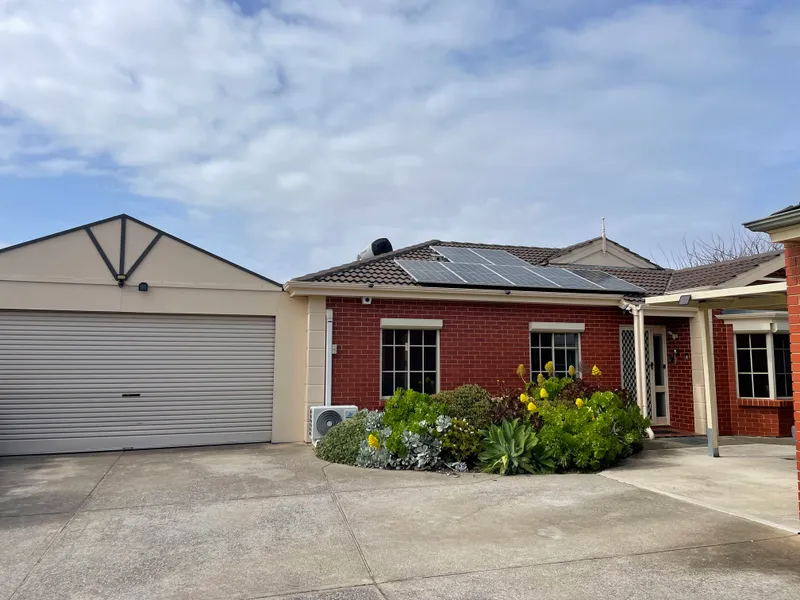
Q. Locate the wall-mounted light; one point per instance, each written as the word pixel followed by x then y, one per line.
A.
pixel 684 300
pixel 143 287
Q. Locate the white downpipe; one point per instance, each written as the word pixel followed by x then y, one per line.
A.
pixel 328 356
pixel 641 367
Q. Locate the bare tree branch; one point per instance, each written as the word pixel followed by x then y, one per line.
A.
pixel 740 243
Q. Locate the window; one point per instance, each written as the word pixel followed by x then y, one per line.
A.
pixel 763 365
pixel 561 348
pixel 783 365
pixel 409 360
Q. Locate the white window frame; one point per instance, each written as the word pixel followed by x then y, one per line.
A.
pixel 553 330
pixel 771 374
pixel 410 325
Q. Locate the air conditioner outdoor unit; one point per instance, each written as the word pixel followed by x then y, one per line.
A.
pixel 322 418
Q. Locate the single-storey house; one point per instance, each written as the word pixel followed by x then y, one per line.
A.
pixel 441 314
pixel 117 334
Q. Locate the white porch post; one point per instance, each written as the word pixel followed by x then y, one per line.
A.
pixel 709 385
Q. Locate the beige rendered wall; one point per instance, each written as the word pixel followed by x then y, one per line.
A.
pixel 315 326
pixel 66 273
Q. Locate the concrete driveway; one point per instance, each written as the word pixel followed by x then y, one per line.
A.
pixel 272 521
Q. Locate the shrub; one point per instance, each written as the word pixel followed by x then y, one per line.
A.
pixel 593 434
pixel 461 441
pixel 342 443
pixel 409 411
pixel 508 407
pixel 513 447
pixel 469 402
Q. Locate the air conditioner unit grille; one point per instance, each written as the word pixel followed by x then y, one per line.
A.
pixel 326 420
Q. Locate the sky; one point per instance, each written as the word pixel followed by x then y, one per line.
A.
pixel 285 135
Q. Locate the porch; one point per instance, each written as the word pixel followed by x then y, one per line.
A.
pixel 754 478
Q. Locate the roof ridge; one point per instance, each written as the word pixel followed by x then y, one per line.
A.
pixel 497 245
pixel 357 263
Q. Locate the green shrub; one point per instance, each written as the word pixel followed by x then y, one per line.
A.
pixel 513 447
pixel 594 435
pixel 342 443
pixel 509 407
pixel 404 412
pixel 469 402
pixel 461 441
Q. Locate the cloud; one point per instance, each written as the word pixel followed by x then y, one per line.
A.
pixel 322 125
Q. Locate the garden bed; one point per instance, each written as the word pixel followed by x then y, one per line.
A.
pixel 552 424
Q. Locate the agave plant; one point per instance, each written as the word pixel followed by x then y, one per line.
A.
pixel 513 447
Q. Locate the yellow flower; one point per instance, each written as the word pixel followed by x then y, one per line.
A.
pixel 550 368
pixel 571 371
pixel 579 402
pixel 540 379
pixel 531 407
pixel 596 372
pixel 521 370
pixel 543 393
pixel 523 398
pixel 373 441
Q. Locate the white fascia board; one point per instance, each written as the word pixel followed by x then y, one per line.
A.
pixel 412 323
pixel 306 288
pixel 720 294
pixel 550 327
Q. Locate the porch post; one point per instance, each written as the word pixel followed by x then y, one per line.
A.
pixel 709 385
pixel 638 350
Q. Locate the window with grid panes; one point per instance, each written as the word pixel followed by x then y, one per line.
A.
pixel 409 360
pixel 755 370
pixel 561 348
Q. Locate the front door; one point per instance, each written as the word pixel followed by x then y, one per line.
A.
pixel 659 395
pixel 655 355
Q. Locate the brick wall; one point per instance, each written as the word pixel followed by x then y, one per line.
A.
pixel 483 343
pixel 792 256
pixel 740 416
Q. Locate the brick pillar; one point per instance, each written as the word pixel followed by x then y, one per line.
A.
pixel 793 298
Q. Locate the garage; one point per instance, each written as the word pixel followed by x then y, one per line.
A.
pixel 116 335
pixel 80 381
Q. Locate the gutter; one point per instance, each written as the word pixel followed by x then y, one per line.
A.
pixel 773 222
pixel 298 288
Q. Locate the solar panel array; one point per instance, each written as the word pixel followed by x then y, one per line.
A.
pixel 497 268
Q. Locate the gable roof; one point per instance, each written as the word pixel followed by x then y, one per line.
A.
pixel 156 230
pixel 382 270
pixel 580 245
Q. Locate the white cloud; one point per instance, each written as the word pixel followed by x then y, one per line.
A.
pixel 326 124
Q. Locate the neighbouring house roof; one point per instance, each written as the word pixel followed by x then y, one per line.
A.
pixel 382 270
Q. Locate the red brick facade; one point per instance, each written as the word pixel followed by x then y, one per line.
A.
pixel 792 257
pixel 483 343
pixel 740 416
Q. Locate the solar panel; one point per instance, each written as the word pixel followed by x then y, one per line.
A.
pixel 521 276
pixel 499 257
pixel 461 255
pixel 608 282
pixel 566 280
pixel 428 271
pixel 477 274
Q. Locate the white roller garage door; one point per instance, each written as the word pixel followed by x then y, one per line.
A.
pixel 73 382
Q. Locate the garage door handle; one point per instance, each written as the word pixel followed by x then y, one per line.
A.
pixel 131 395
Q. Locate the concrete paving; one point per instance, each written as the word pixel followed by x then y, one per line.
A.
pixel 266 521
pixel 753 478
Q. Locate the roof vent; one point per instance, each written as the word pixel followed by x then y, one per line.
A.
pixel 376 248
